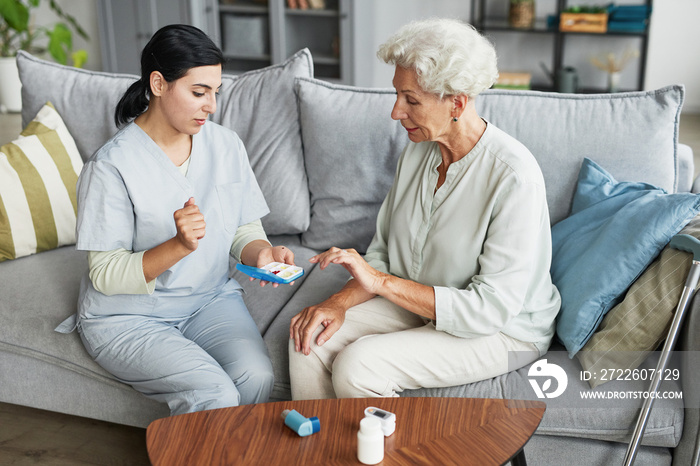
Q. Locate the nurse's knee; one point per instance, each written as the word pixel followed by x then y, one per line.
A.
pixel 256 382
pixel 226 396
pixel 212 394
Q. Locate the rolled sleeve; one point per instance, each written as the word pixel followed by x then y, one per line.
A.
pixel 455 314
pixel 245 234
pixel 118 272
pixel 105 218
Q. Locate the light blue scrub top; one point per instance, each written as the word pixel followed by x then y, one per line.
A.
pixel 127 194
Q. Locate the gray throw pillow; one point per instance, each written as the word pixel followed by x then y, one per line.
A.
pixel 85 99
pixel 261 107
pixel 351 147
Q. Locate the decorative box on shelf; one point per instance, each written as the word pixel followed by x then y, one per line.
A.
pixel 628 18
pixel 583 22
pixel 245 36
pixel 513 80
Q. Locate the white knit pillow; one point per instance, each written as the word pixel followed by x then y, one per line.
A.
pixel 38 173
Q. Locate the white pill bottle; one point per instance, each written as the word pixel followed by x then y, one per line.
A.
pixel 370 441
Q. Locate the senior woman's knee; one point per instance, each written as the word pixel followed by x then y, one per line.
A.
pixel 357 372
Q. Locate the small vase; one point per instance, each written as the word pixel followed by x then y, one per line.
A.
pixel 614 81
pixel 521 14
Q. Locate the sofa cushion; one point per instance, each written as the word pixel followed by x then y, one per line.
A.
pixel 265 303
pixel 548 450
pixel 85 99
pixel 607 413
pixel 633 134
pixel 351 147
pixel 318 285
pixel 38 172
pixel 614 232
pixel 638 325
pixel 39 292
pixel 261 107
pixel 30 319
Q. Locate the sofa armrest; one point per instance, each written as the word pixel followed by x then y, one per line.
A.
pixel 686 169
pixel 689 348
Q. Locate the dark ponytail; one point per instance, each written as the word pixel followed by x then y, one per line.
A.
pixel 172 51
pixel 132 104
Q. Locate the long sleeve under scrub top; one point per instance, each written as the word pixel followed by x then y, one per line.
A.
pixel 120 271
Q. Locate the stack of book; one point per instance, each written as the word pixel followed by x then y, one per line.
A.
pixel 513 80
pixel 306 4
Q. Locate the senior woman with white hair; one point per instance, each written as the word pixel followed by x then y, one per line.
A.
pixel 456 278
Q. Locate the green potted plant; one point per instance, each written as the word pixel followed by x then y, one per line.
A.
pixel 17 32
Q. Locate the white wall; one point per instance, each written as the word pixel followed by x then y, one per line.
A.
pixel 85 14
pixel 377 20
pixel 674 49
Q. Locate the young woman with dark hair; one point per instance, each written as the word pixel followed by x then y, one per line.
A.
pixel 161 206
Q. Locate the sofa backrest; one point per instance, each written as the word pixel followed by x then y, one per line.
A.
pixel 633 135
pixel 350 138
pixel 295 126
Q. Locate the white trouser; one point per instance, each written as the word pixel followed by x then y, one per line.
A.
pixel 382 349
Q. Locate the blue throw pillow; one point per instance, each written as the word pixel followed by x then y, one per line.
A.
pixel 614 232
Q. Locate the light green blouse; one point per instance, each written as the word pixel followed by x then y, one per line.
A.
pixel 482 241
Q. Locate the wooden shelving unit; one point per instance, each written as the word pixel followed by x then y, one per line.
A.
pixel 494 24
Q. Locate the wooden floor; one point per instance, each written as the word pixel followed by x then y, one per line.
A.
pixel 34 437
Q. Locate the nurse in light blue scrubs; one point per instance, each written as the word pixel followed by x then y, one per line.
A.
pixel 160 208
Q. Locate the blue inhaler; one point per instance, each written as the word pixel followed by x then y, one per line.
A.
pixel 299 424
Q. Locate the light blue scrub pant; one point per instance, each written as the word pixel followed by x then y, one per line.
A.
pixel 214 358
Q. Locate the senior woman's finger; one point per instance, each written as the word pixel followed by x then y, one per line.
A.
pixel 296 326
pixel 292 323
pixel 307 330
pixel 332 252
pixel 328 332
pixel 300 327
pixel 337 256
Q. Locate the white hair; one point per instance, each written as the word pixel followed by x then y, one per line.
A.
pixel 449 56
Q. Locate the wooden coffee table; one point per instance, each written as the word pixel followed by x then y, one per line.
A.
pixel 428 431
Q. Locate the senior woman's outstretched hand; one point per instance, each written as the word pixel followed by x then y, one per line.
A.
pixel 331 313
pixel 369 278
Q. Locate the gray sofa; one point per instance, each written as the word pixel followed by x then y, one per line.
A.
pixel 324 155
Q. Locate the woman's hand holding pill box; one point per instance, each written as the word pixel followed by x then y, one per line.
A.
pixel 275 272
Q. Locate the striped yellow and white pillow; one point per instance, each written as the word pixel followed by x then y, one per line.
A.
pixel 38 173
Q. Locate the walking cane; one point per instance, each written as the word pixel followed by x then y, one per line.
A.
pixel 692 245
